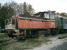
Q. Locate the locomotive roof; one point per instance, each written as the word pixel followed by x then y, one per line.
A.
pixel 24 16
pixel 45 12
pixel 34 18
pixel 34 15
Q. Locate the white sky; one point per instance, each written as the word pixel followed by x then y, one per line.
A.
pixel 43 5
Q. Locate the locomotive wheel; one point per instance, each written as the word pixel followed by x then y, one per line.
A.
pixel 21 36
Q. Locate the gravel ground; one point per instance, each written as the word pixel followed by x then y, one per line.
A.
pixel 60 47
pixel 55 44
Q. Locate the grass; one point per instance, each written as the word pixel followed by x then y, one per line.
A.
pixel 21 45
pixel 62 36
pixel 10 44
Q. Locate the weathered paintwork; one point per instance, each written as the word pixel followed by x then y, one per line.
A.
pixel 30 24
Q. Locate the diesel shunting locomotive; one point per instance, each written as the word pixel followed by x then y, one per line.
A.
pixel 25 26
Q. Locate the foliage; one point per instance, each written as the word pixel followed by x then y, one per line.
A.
pixel 21 8
pixel 30 9
pixel 5 13
pixel 27 9
pixel 63 14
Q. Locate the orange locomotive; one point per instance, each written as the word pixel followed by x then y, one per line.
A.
pixel 25 26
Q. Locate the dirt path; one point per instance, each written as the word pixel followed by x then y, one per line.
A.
pixel 54 42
